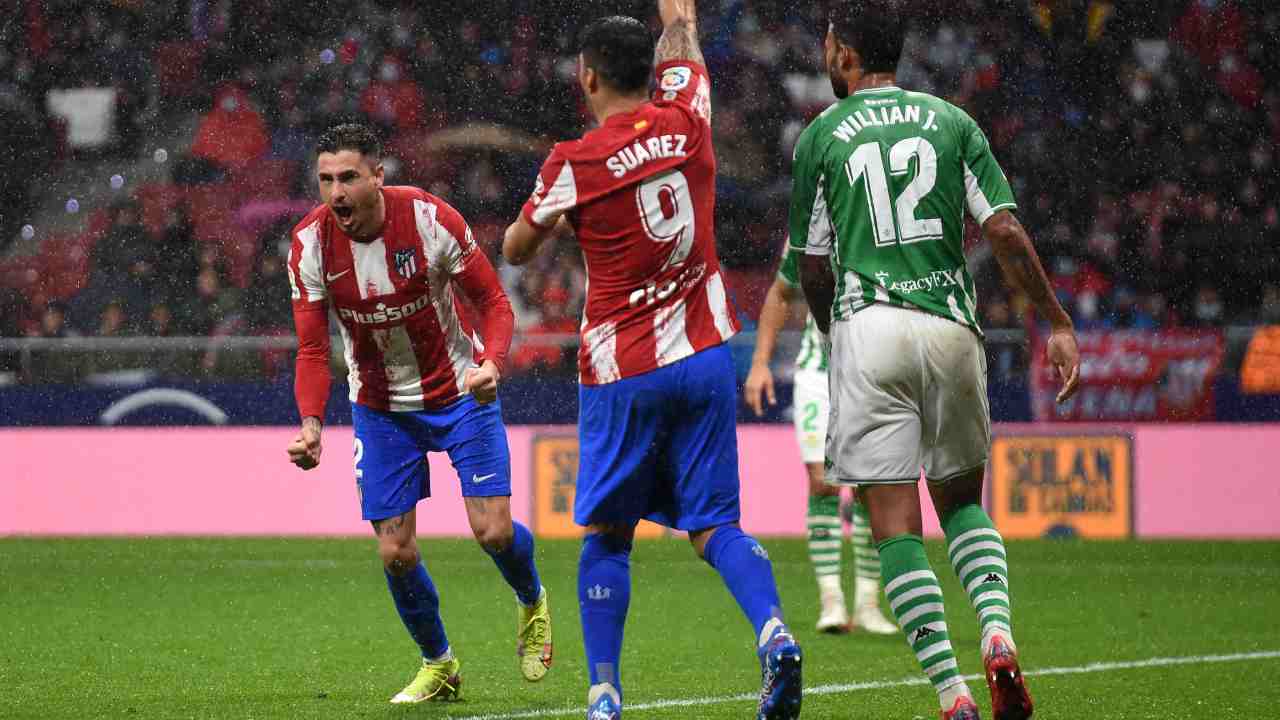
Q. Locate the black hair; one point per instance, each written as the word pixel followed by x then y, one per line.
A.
pixel 874 28
pixel 351 136
pixel 620 50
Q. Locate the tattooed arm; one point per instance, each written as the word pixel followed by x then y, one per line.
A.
pixel 679 39
pixel 1022 270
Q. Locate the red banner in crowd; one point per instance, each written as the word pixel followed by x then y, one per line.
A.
pixel 1133 375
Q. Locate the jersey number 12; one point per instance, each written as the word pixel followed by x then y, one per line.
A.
pixel 866 165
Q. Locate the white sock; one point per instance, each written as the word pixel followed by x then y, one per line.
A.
pixel 766 632
pixel 947 696
pixel 599 689
pixel 865 592
pixel 829 585
pixel 992 632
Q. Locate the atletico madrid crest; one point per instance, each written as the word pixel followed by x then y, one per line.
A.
pixel 406 263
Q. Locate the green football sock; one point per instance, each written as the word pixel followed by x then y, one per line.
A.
pixel 978 557
pixel 916 600
pixel 824 538
pixel 866 559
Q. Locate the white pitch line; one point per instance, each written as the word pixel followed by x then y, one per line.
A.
pixel 883 684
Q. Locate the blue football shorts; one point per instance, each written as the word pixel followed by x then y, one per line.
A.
pixel 661 446
pixel 391 463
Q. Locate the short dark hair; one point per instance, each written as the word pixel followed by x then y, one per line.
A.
pixel 620 50
pixel 874 28
pixel 351 136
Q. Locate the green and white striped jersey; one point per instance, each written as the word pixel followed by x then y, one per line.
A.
pixel 813 351
pixel 881 180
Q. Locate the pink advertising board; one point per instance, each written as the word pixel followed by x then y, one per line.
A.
pixel 1189 481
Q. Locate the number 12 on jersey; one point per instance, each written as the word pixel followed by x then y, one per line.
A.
pixel 867 166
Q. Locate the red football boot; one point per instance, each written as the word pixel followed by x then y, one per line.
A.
pixel 1009 697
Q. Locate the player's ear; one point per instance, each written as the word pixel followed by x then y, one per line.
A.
pixel 847 58
pixel 378 174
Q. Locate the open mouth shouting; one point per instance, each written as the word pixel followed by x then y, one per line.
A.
pixel 343 212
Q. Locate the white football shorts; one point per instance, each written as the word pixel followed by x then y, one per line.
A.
pixel 908 391
pixel 810 408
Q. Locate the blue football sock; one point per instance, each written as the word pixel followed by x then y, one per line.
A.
pixel 516 565
pixel 419 607
pixel 604 593
pixel 744 565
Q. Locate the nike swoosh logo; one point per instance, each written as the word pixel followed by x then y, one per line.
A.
pixel 334 276
pixel 481 478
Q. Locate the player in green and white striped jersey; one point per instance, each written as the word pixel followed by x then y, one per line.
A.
pixel 882 179
pixel 810 410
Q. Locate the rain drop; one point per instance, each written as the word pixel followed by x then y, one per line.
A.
pixel 327 56
pixel 73 206
pixel 28 232
pixel 117 181
pixel 160 155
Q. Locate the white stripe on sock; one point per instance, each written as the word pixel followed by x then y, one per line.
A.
pixel 909 577
pixel 910 595
pixel 968 550
pixel 991 595
pixel 915 612
pixel 980 562
pixel 931 650
pixel 997 610
pixel 979 532
pixel 941 667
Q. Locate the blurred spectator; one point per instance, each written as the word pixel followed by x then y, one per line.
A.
pixel 211 306
pixel 177 256
pixel 114 321
pixel 539 352
pixel 26 147
pixel 54 366
pixel 13 315
pixel 393 100
pixel 1207 310
pixel 121 268
pixel 232 134
pixel 266 300
pixel 1269 307
pixel 125 244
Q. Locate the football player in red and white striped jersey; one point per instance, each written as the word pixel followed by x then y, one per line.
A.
pixel 386 263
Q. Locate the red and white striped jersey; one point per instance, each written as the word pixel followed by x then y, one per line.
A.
pixel 640 193
pixel 407 345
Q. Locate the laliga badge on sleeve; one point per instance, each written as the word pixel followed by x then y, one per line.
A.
pixel 675 78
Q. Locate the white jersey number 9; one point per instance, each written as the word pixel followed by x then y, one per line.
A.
pixel 666 211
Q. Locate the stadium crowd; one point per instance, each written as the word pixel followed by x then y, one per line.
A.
pixel 1140 138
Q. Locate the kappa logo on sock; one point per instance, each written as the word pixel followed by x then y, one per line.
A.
pixel 924 632
pixel 759 550
pixel 599 592
pixel 819 533
pixel 993 578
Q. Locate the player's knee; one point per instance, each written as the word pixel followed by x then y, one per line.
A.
pixel 616 537
pixel 494 537
pixel 699 539
pixel 398 558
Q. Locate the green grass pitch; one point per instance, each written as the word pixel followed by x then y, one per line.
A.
pixel 293 628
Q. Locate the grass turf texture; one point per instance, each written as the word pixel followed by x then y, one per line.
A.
pixel 292 628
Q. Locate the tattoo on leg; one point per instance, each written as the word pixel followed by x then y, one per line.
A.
pixel 388 526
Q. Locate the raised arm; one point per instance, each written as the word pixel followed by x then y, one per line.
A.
pixel 679 39
pixel 1023 271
